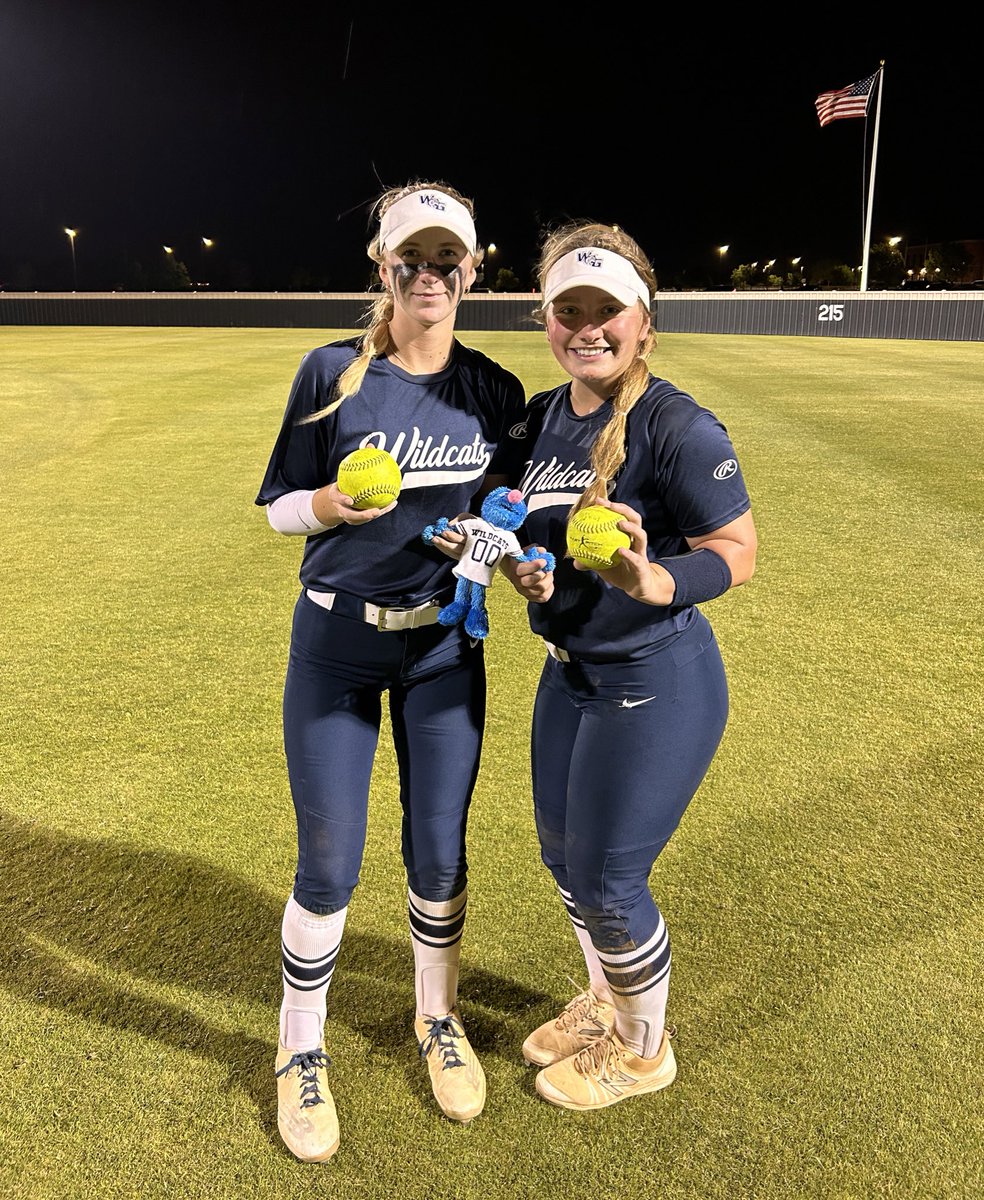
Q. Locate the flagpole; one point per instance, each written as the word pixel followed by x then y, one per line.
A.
pixel 871 183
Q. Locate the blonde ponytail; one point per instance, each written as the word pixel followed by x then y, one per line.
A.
pixel 608 449
pixel 372 344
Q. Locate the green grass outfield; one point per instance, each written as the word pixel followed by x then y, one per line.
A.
pixel 823 892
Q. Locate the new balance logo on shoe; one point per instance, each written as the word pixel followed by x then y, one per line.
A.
pixel 583 1021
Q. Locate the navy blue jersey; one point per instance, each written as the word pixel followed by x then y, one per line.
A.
pixel 680 474
pixel 446 431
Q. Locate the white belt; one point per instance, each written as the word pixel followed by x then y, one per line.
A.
pixel 389 620
pixel 556 652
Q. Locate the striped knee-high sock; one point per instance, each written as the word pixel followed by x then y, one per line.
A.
pixel 640 983
pixel 435 931
pixel 597 980
pixel 309 947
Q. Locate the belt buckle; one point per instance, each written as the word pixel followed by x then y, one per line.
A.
pixel 406 618
pixel 382 617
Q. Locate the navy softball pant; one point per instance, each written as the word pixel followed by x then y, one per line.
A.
pixel 619 749
pixel 339 668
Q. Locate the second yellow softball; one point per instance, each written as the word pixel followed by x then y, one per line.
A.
pixel 593 537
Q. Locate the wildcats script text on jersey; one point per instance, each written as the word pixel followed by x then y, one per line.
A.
pixel 554 476
pixel 416 453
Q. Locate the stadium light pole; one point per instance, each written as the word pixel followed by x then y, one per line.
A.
pixel 72 234
pixel 493 249
pixel 207 244
pixel 722 251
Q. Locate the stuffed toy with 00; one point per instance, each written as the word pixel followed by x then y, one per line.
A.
pixel 487 538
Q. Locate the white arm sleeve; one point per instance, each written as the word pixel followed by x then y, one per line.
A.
pixel 293 513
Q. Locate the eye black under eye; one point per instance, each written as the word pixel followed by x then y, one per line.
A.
pixel 443 268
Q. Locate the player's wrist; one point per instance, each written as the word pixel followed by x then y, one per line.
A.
pixel 325 509
pixel 662 586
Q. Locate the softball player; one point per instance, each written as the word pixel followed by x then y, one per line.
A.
pixel 365 622
pixel 632 700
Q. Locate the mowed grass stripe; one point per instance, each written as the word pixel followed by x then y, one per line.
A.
pixel 821 891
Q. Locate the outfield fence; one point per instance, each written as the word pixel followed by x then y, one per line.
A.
pixel 925 316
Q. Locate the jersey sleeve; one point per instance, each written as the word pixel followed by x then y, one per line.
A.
pixel 509 457
pixel 701 480
pixel 301 453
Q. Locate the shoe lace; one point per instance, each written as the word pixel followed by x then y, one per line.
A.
pixel 602 1059
pixel 443 1032
pixel 576 1011
pixel 308 1063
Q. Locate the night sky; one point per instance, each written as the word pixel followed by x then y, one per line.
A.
pixel 148 124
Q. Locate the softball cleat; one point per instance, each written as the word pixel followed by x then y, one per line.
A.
pixel 604 1074
pixel 579 1025
pixel 456 1075
pixel 306 1114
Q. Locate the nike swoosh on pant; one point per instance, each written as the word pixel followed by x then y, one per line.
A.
pixel 635 703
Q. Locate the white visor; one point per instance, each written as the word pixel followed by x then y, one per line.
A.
pixel 427 209
pixel 601 269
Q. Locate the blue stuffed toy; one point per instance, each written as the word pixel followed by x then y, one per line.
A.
pixel 486 540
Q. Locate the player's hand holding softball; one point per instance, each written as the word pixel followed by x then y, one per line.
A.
pixel 332 506
pixel 633 572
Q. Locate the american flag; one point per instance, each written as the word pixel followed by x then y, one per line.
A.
pixel 851 101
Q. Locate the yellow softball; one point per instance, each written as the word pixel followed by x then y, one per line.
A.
pixel 593 537
pixel 371 477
